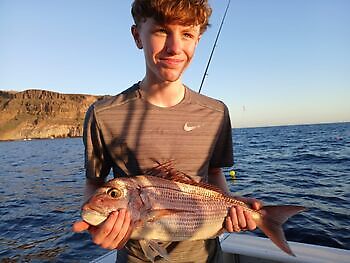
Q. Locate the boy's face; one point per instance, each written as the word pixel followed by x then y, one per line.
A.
pixel 168 48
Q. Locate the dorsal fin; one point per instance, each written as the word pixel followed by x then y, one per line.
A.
pixel 167 171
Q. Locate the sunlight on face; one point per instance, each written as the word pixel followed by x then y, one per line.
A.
pixel 168 48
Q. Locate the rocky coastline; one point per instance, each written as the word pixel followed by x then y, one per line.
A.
pixel 42 114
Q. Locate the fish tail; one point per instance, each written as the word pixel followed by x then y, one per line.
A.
pixel 271 221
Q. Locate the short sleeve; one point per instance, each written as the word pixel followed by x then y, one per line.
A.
pixel 223 153
pixel 97 160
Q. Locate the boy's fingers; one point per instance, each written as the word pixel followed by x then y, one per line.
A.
pixel 256 204
pixel 241 217
pixel 234 219
pixel 251 225
pixel 228 224
pixel 80 226
pixel 126 238
pixel 118 241
pixel 114 232
pixel 104 230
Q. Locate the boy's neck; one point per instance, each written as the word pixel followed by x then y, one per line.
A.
pixel 164 94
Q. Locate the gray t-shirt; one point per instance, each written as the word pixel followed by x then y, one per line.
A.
pixel 129 135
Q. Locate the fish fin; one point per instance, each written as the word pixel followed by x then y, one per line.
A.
pixel 271 220
pixel 160 169
pixel 151 249
pixel 154 215
pixel 158 248
pixel 147 250
pixel 167 171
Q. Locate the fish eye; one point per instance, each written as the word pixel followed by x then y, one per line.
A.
pixel 114 193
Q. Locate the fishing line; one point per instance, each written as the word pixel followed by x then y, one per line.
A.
pixel 212 51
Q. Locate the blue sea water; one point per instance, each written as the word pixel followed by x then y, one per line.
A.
pixel 42 181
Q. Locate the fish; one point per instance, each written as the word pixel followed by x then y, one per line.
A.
pixel 169 206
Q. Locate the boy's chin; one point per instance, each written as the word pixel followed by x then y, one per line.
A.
pixel 173 77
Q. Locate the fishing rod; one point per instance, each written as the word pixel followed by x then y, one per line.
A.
pixel 212 51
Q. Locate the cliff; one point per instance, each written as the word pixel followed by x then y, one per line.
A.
pixel 38 114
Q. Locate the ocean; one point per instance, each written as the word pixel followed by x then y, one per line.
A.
pixel 42 181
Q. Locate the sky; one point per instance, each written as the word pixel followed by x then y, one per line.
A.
pixel 277 62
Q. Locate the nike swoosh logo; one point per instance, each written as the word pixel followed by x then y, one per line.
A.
pixel 188 127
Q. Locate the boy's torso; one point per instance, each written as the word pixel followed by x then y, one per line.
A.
pixel 137 133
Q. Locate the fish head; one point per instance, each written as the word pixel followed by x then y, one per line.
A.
pixel 113 196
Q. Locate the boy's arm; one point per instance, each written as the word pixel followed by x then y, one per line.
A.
pixel 237 219
pixel 116 229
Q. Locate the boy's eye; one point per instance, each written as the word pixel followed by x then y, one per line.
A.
pixel 161 31
pixel 188 35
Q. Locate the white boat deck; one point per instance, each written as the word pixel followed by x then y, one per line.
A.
pixel 241 248
pixel 257 249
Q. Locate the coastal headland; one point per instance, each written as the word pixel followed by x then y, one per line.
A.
pixel 42 114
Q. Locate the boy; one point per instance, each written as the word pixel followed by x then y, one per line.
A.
pixel 159 119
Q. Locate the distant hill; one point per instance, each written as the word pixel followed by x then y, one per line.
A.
pixel 38 114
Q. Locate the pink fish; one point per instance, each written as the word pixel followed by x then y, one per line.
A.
pixel 175 208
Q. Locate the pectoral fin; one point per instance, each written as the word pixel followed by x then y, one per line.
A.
pixel 159 249
pixel 152 248
pixel 155 215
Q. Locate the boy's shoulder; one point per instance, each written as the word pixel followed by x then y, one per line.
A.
pixel 122 98
pixel 207 102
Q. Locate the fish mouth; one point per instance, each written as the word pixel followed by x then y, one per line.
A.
pixel 93 217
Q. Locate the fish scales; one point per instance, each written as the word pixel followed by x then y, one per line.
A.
pixel 177 201
pixel 196 212
pixel 188 226
pixel 171 191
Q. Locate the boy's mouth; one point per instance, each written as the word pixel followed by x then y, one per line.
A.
pixel 171 61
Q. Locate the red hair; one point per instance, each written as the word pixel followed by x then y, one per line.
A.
pixel 184 12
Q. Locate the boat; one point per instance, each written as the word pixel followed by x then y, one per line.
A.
pixel 246 248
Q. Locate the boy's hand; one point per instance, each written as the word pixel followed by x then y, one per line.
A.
pixel 113 233
pixel 238 219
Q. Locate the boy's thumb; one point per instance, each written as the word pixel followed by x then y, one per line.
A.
pixel 80 226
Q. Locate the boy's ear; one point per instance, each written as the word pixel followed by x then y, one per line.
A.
pixel 199 38
pixel 136 35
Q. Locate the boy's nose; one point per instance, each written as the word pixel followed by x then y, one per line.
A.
pixel 173 45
